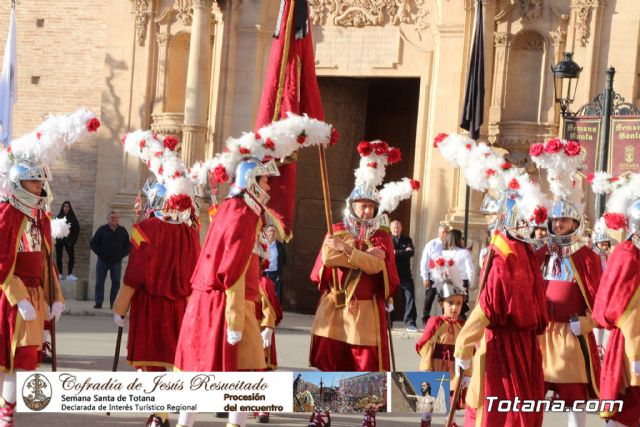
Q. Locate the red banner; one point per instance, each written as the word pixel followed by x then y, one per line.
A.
pixel 624 146
pixel 586 131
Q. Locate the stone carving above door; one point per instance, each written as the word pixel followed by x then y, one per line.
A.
pixel 531 9
pixel 362 13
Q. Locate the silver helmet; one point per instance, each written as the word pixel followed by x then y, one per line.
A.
pixel 448 290
pixel 27 170
pixel 509 217
pixel 564 209
pixel 633 217
pixel 362 228
pixel 246 179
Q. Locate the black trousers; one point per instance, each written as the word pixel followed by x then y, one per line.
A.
pixel 429 296
pixel 70 254
pixel 408 289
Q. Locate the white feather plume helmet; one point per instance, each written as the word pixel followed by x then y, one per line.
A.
pixel 562 159
pixel 444 270
pixel 158 153
pixel 46 143
pixel 485 170
pixel 277 140
pixel 375 156
pixel 623 191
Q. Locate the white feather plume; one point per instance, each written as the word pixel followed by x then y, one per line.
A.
pixel 60 228
pixel 392 193
pixel 449 271
pixel 601 183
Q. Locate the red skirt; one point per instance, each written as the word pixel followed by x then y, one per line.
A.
pixel 154 329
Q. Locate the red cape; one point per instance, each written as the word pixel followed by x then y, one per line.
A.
pixel 619 283
pixel 433 324
pixel 514 302
pixel 269 289
pixel 202 345
pixel 164 264
pixel 10 222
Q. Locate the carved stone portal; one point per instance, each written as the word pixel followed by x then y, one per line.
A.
pixel 530 9
pixel 142 11
pixel 361 13
pixel 583 10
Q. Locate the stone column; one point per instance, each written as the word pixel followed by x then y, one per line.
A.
pixel 197 97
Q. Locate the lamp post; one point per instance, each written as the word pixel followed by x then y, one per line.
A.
pixel 566 74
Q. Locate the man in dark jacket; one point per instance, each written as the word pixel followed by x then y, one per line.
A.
pixel 277 260
pixel 111 243
pixel 403 248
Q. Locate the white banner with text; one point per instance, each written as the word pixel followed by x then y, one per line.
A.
pixel 72 392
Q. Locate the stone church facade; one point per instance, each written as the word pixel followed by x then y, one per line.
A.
pixel 387 69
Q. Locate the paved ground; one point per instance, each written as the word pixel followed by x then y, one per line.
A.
pixel 86 341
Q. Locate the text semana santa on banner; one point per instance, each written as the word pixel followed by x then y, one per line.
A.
pixel 72 392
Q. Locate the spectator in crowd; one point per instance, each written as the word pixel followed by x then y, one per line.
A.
pixel 67 243
pixel 453 247
pixel 403 248
pixel 277 259
pixel 111 244
pixel 431 250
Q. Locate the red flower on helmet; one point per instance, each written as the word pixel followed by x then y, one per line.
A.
pixel 415 184
pixel 439 138
pixel 158 154
pixel 440 262
pixel 506 166
pixel 179 202
pixel 572 148
pixel 535 150
pixel 553 145
pixel 142 143
pixel 451 263
pixel 93 124
pixel 269 144
pixel 591 177
pixel 614 178
pixel 301 138
pixel 257 135
pixel 615 221
pixel 333 139
pixel 244 150
pixel 177 174
pixel 160 170
pixel 490 172
pixel 381 148
pixel 539 215
pixel 365 148
pixel 394 156
pixel 220 174
pixel 432 264
pixel 170 142
pixel 514 184
pixel 38 134
pixel 468 147
pixel 373 165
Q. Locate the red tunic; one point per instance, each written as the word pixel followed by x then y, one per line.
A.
pixel 509 363
pixel 332 354
pixel 620 283
pixel 30 268
pixel 202 345
pixel 160 271
pixel 437 343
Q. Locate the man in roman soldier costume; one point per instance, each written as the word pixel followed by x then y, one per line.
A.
pixel 220 331
pixel 165 248
pixel 30 292
pixel 602 247
pixel 349 332
pixel 511 309
pixel 572 273
pixel 617 304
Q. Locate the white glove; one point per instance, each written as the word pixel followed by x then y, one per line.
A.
pixel 462 365
pixel 636 368
pixel 389 308
pixel 466 381
pixel 56 310
pixel 575 328
pixel 233 337
pixel 266 337
pixel 118 320
pixel 26 310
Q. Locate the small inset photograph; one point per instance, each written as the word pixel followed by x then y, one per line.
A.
pixel 427 394
pixel 340 392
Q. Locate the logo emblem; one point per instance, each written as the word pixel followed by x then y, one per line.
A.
pixel 629 153
pixel 36 392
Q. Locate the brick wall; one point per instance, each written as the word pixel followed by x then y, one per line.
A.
pixel 67 54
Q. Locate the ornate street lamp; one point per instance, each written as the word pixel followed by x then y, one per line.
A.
pixel 565 75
